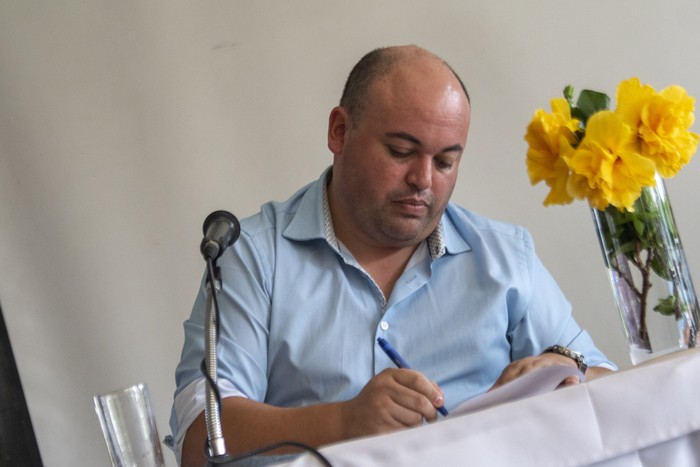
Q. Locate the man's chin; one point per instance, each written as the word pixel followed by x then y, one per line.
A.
pixel 408 236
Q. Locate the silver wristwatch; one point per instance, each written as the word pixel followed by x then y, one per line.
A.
pixel 575 356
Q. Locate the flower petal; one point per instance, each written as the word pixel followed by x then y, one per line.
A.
pixel 547 135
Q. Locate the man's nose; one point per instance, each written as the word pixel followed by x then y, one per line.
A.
pixel 420 174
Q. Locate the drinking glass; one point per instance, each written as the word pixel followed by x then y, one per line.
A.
pixel 129 427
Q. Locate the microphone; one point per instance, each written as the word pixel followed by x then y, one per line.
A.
pixel 221 229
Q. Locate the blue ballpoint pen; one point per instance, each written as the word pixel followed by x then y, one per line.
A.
pixel 400 362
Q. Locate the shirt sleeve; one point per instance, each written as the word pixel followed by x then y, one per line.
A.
pixel 189 403
pixel 548 318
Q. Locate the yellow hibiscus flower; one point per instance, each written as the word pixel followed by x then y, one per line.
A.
pixel 631 98
pixel 547 134
pixel 661 121
pixel 608 169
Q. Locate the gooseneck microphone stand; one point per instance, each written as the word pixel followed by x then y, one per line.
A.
pixel 221 229
pixel 212 409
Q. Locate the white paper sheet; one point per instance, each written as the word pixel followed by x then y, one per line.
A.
pixel 543 380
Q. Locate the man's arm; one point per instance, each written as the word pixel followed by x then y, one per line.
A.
pixel 393 399
pixel 249 424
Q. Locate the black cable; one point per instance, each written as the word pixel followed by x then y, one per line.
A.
pixel 212 273
pixel 256 452
pixel 210 382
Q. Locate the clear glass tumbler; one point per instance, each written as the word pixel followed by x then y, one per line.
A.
pixel 129 427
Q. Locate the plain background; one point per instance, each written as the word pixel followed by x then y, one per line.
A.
pixel 124 123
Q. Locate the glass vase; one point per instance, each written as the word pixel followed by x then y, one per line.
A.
pixel 649 276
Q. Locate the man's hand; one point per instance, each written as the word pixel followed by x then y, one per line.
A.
pixel 395 398
pixel 526 365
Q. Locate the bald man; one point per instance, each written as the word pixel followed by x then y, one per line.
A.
pixel 374 248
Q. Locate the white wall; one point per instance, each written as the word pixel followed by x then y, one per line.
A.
pixel 122 124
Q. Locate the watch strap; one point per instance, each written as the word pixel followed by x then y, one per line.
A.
pixel 572 354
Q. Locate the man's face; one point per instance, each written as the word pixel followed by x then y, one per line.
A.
pixel 394 169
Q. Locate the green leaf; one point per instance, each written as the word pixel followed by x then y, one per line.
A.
pixel 590 102
pixel 569 95
pixel 628 247
pixel 577 114
pixel 662 265
pixel 639 226
pixel 666 306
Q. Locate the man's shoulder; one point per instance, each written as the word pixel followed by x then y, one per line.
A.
pixel 494 241
pixel 274 217
pixel 468 223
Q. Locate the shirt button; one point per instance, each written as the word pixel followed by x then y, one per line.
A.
pixel 384 325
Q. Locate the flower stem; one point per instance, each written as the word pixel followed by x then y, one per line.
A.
pixel 645 270
pixel 642 293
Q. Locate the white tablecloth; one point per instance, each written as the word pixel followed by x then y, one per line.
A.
pixel 645 416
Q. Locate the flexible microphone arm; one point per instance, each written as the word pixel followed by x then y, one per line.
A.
pixel 212 410
pixel 221 229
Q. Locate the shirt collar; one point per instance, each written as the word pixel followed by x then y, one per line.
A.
pixel 329 231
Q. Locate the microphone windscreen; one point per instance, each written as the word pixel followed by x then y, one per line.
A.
pixel 221 229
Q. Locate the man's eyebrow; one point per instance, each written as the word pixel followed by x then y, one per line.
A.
pixel 412 139
pixel 402 135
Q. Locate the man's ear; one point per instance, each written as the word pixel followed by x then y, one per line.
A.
pixel 338 124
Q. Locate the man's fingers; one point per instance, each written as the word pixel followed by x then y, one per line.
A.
pixel 415 392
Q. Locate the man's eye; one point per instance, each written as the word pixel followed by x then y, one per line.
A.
pixel 397 152
pixel 444 164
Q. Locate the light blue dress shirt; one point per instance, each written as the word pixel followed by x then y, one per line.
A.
pixel 300 317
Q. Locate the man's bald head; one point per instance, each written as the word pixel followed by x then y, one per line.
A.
pixel 376 65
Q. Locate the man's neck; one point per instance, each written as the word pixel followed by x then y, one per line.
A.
pixel 384 265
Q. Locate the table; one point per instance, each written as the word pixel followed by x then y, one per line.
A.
pixel 647 416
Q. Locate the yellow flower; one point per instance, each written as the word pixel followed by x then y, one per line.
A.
pixel 661 121
pixel 546 135
pixel 608 157
pixel 631 98
pixel 607 168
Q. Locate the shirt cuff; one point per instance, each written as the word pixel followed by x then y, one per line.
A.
pixel 190 402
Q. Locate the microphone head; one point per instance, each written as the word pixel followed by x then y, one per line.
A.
pixel 221 229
